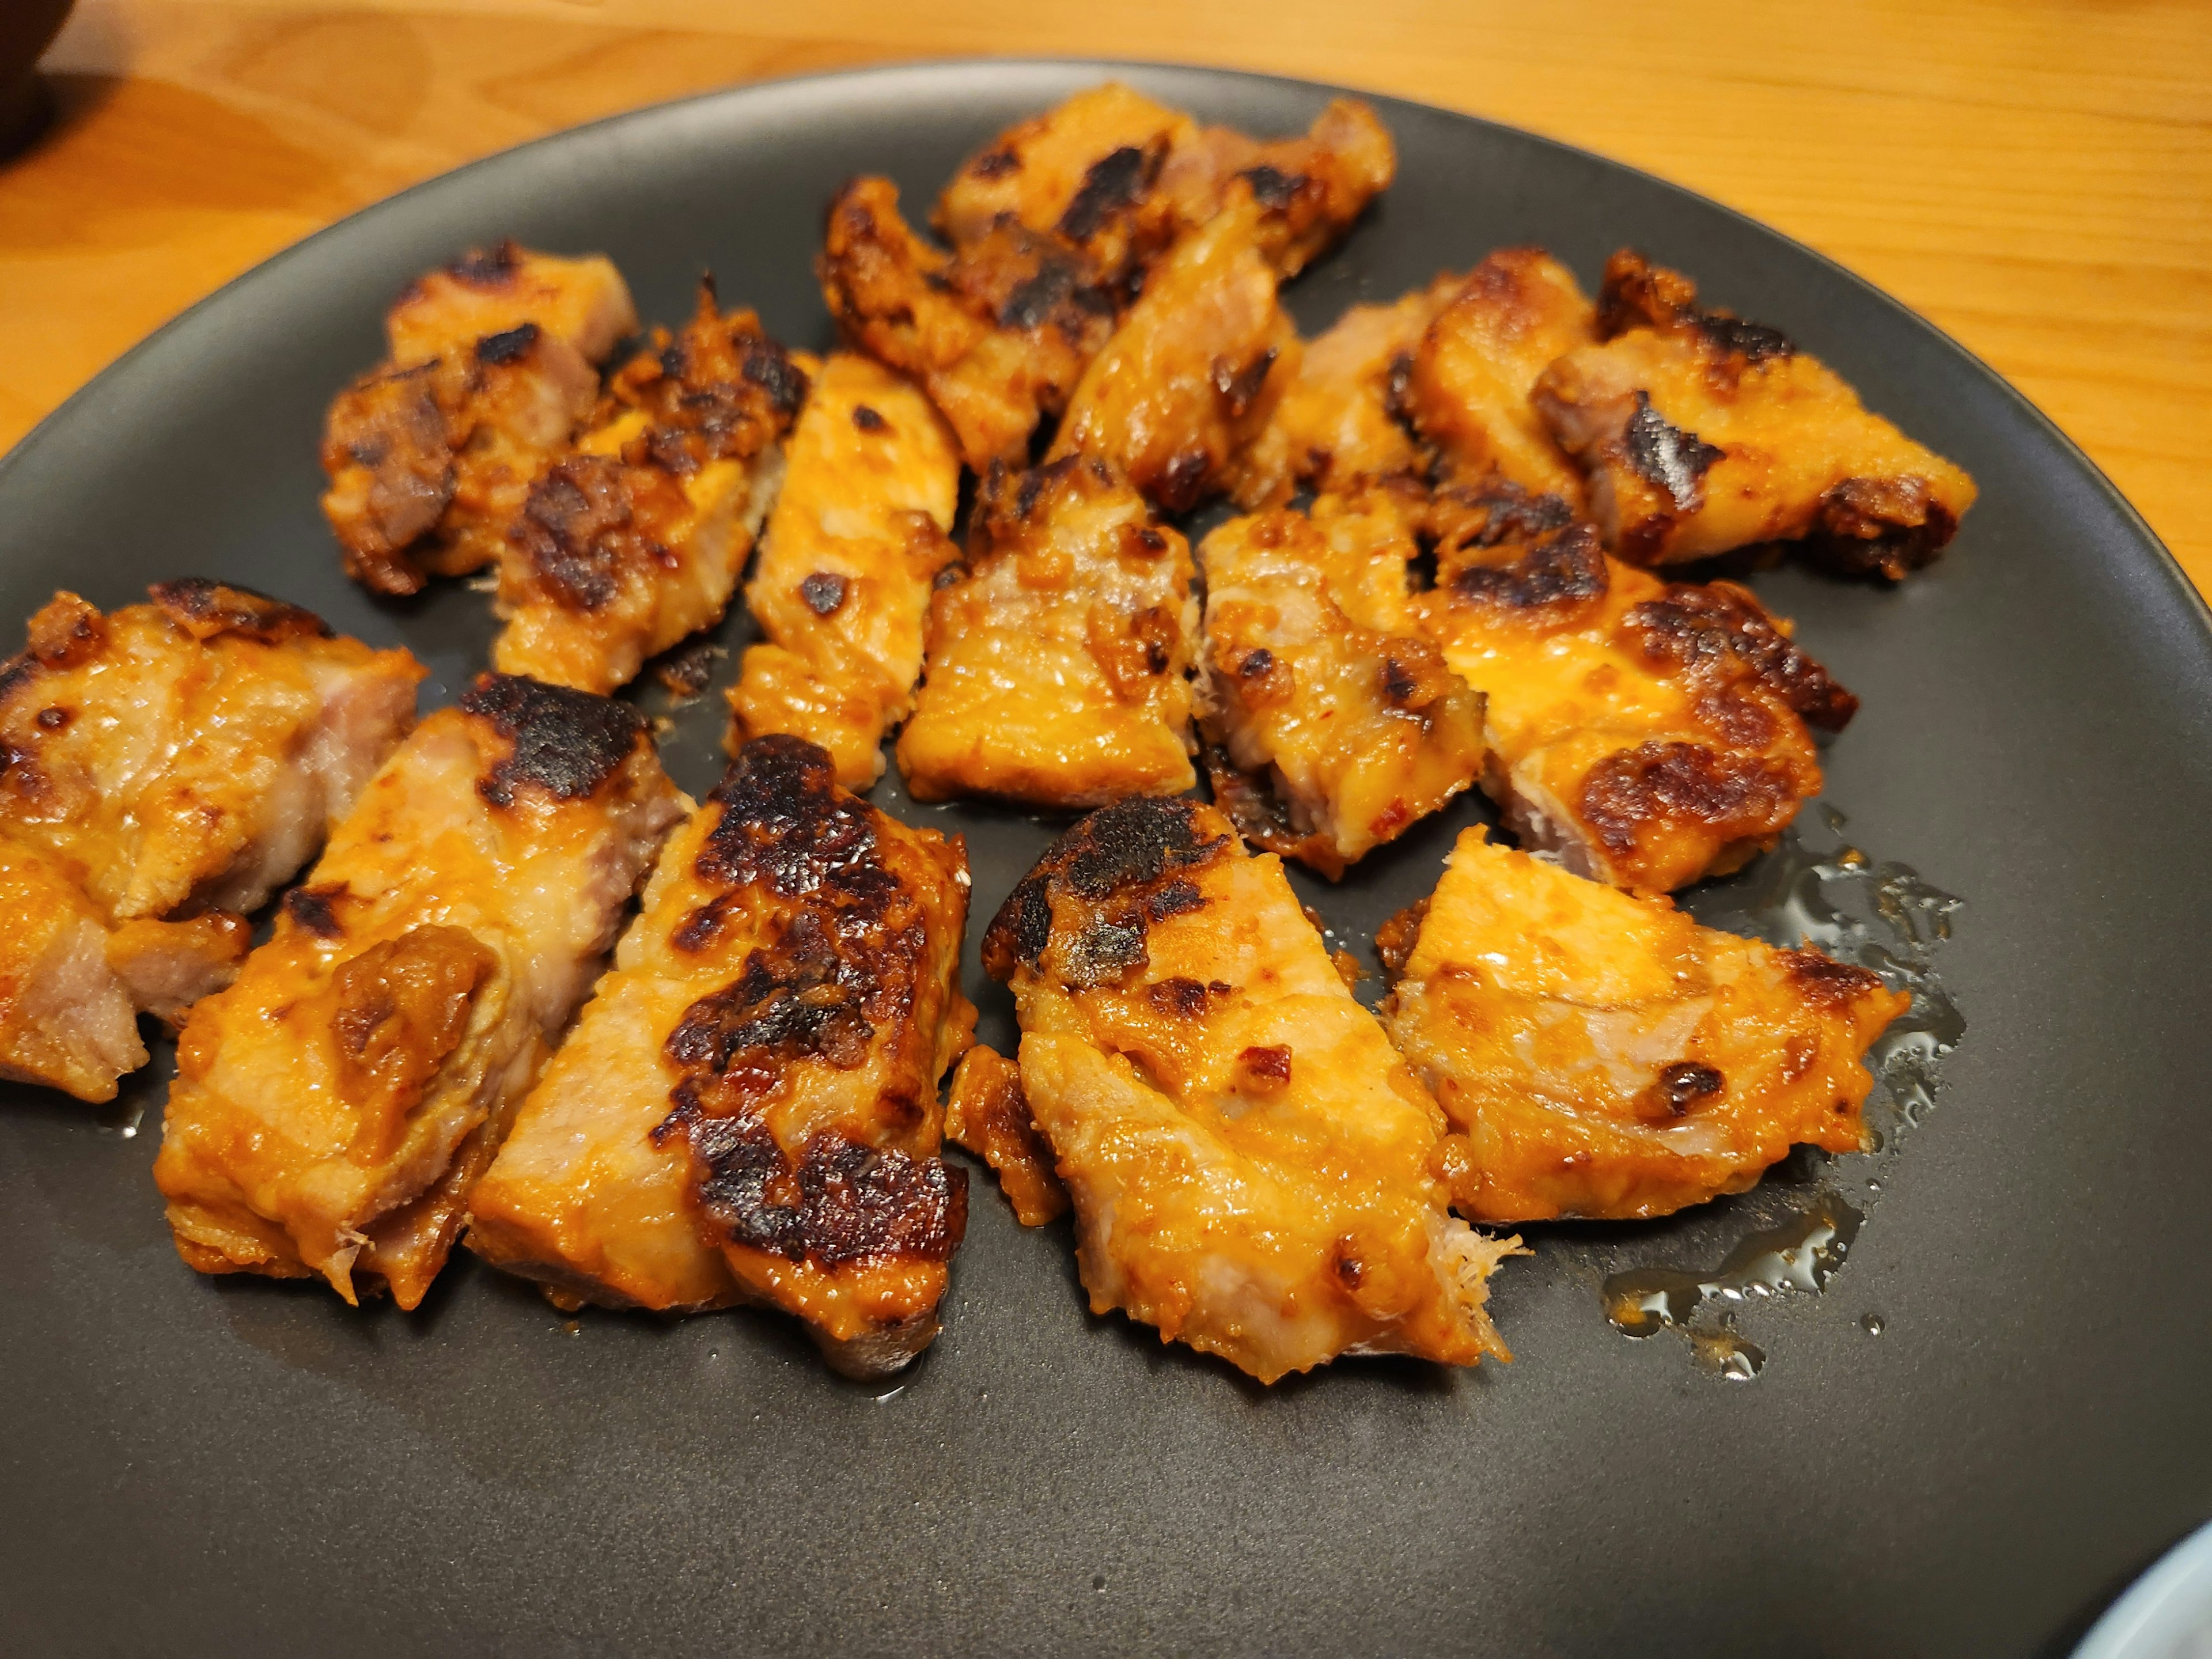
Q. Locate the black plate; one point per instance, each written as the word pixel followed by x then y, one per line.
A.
pixel 195 1466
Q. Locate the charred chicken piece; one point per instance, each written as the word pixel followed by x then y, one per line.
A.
pixel 1647 734
pixel 1249 1161
pixel 162 768
pixel 748 1108
pixel 333 1107
pixel 989 1116
pixel 430 455
pixel 1193 373
pixel 1605 1057
pixel 637 539
pixel 1468 389
pixel 998 332
pixel 1332 724
pixel 1313 187
pixel 843 585
pixel 1703 433
pixel 1058 656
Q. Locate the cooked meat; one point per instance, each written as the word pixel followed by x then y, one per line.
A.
pixel 841 589
pixel 1469 388
pixel 1249 1160
pixel 747 1109
pixel 162 767
pixel 1606 1057
pixel 1057 659
pixel 1085 171
pixel 1649 733
pixel 430 455
pixel 1327 735
pixel 333 1108
pixel 1342 417
pixel 1703 433
pixel 998 333
pixel 1193 373
pixel 989 1114
pixel 638 539
pixel 1119 176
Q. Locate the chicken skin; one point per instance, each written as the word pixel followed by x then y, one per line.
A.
pixel 492 370
pixel 638 539
pixel 843 585
pixel 1193 373
pixel 1327 735
pixel 1121 176
pixel 1058 658
pixel 998 332
pixel 1606 1058
pixel 334 1105
pixel 1467 390
pixel 162 769
pixel 748 1108
pixel 1342 419
pixel 1249 1162
pixel 1702 433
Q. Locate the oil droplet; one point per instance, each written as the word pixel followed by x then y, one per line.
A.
pixel 1874 1325
pixel 1726 1355
pixel 886 1398
pixel 1801 1255
pixel 119 1120
pixel 1873 1183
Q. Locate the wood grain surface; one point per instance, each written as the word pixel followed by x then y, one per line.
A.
pixel 2035 176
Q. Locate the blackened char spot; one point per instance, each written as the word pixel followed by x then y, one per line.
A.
pixel 1699 626
pixel 1754 341
pixel 1566 568
pixel 204 608
pixel 1184 480
pixel 995 164
pixel 867 420
pixel 785 822
pixel 1680 785
pixel 564 742
pixel 769 367
pixel 488 267
pixel 1239 386
pixel 1666 455
pixel 823 591
pixel 798 998
pixel 1036 297
pixel 311 908
pixel 1822 980
pixel 840 1202
pixel 1175 898
pixel 1115 180
pixel 1104 951
pixel 55 718
pixel 507 347
pixel 1132 844
pixel 1272 187
pixel 576 524
pixel 1685 1083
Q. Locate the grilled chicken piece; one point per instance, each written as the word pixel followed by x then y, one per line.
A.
pixel 1606 1057
pixel 638 539
pixel 1649 733
pixel 842 589
pixel 430 455
pixel 1249 1160
pixel 1331 726
pixel 162 767
pixel 1120 176
pixel 747 1109
pixel 1342 417
pixel 1468 390
pixel 988 1114
pixel 1057 659
pixel 1703 433
pixel 1194 371
pixel 333 1107
pixel 998 333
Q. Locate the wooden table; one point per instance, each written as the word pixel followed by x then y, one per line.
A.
pixel 2033 175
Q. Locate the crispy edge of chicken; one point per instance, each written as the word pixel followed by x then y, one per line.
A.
pixel 1249 1160
pixel 1703 433
pixel 636 540
pixel 1058 655
pixel 1326 737
pixel 842 587
pixel 1193 373
pixel 747 1109
pixel 998 332
pixel 1467 387
pixel 1604 1057
pixel 333 1106
pixel 986 1114
pixel 491 369
pixel 1647 734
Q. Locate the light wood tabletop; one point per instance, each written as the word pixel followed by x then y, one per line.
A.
pixel 2035 176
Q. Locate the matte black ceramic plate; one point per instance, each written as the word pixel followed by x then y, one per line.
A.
pixel 222 1468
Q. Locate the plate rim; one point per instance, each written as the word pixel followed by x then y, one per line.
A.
pixel 2168 568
